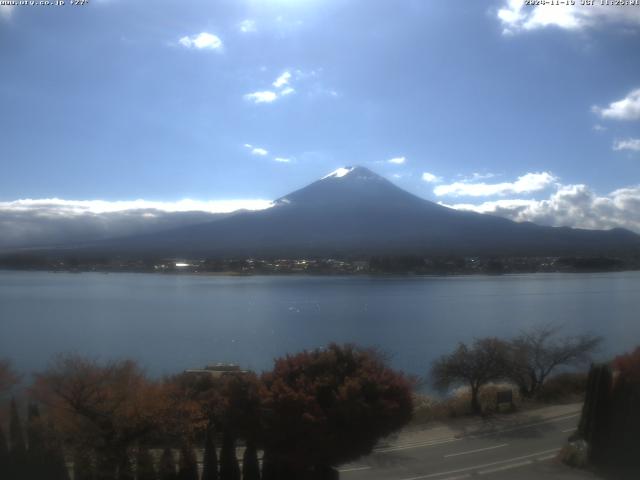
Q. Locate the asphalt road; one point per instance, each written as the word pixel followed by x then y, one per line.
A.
pixel 519 452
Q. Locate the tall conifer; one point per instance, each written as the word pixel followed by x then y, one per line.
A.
pixel 210 461
pixel 229 468
pixel 145 468
pixel 167 468
pixel 188 464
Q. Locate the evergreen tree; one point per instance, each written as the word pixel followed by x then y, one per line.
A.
pixel 188 464
pixel 57 464
pixel 16 437
pixel 82 465
pixel 37 454
pixel 250 465
pixel 210 461
pixel 55 460
pixel 107 464
pixel 18 466
pixel 229 468
pixel 4 455
pixel 167 465
pixel 35 432
pixel 125 471
pixel 269 469
pixel 145 468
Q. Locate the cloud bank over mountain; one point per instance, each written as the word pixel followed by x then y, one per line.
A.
pixel 26 223
pixel 570 205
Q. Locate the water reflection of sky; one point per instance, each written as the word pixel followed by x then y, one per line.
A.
pixel 173 322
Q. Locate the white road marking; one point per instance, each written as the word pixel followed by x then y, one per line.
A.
pixel 569 430
pixel 547 457
pixel 442 441
pixel 407 446
pixel 505 467
pixel 476 467
pixel 476 450
pixel 354 469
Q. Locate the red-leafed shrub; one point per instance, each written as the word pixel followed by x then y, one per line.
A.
pixel 628 365
pixel 326 407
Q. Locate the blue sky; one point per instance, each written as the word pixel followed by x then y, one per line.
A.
pixel 528 112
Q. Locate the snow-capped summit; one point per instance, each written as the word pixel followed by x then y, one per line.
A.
pixel 356 172
pixel 339 172
pixel 347 186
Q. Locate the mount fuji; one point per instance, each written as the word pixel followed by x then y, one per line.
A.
pixel 355 212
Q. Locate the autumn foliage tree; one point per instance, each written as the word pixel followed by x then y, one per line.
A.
pixel 101 410
pixel 628 365
pixel 325 407
pixel 189 416
pixel 188 407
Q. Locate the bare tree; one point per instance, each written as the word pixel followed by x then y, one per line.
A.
pixel 475 366
pixel 535 353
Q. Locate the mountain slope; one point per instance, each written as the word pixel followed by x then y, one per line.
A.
pixel 354 212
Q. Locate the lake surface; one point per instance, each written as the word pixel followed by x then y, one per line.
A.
pixel 173 322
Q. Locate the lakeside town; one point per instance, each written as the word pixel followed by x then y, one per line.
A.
pixel 417 265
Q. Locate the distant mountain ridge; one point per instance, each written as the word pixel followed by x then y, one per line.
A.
pixel 355 212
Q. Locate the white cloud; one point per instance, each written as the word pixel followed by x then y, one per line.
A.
pixel 530 182
pixel 599 128
pixel 626 109
pixel 58 206
pixel 627 144
pixel 6 11
pixel 202 41
pixel 247 26
pixel 431 178
pixel 261 152
pixel 282 80
pixel 493 206
pixel 571 206
pixel 475 176
pixel 265 96
pixel 516 16
pixel 282 86
pixel 397 160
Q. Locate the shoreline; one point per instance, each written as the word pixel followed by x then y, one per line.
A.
pixel 315 274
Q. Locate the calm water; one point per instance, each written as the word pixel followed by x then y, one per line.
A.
pixel 174 322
